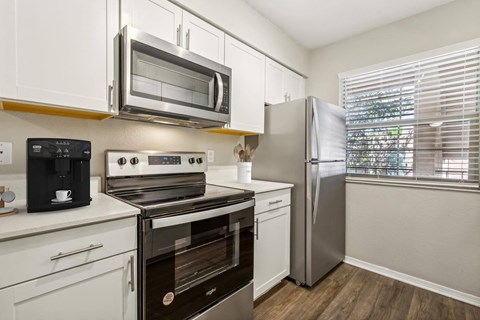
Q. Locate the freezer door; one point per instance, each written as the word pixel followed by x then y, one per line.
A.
pixel 325 219
pixel 326 125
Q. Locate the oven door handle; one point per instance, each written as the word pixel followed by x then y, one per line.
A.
pixel 201 215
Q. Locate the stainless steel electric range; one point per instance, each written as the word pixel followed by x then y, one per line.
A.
pixel 195 240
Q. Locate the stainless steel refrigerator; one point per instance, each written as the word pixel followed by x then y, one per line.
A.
pixel 304 144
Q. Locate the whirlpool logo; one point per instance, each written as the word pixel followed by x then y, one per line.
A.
pixel 210 292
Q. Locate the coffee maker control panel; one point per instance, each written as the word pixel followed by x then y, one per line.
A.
pixel 54 148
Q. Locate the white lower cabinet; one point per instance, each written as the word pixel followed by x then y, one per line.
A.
pixel 86 272
pixel 272 242
pixel 104 289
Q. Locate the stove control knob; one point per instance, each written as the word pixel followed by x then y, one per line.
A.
pixel 191 160
pixel 122 161
pixel 134 160
pixel 199 160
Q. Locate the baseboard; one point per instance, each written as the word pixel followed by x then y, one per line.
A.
pixel 417 282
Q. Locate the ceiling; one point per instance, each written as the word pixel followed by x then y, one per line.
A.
pixel 315 23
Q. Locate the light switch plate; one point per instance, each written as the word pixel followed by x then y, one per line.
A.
pixel 5 153
pixel 210 155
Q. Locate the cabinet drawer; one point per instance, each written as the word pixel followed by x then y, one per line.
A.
pixel 31 257
pixel 271 200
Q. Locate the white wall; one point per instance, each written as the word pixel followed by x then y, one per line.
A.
pixel 16 127
pixel 238 18
pixel 428 234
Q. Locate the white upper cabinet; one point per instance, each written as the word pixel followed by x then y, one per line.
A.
pixel 203 38
pixel 159 18
pixel 58 52
pixel 274 82
pixel 282 84
pixel 169 22
pixel 248 83
pixel 294 85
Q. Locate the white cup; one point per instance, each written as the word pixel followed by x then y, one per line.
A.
pixel 62 195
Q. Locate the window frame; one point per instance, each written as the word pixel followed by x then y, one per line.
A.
pixel 418 182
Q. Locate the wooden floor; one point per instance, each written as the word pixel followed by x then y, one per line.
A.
pixel 352 293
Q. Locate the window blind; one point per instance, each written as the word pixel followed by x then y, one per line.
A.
pixel 417 120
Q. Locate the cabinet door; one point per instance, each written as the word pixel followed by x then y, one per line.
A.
pixel 248 82
pixel 274 83
pixel 203 38
pixel 160 18
pixel 97 290
pixel 272 249
pixel 58 52
pixel 294 85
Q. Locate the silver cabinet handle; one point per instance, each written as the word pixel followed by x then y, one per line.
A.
pixel 289 97
pixel 110 98
pixel 179 30
pixel 275 202
pixel 131 262
pixel 61 255
pixel 256 227
pixel 285 96
pixel 187 39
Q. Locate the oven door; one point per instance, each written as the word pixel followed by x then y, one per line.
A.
pixel 193 260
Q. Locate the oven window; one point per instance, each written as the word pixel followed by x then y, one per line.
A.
pixel 205 255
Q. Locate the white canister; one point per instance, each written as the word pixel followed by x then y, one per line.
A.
pixel 244 172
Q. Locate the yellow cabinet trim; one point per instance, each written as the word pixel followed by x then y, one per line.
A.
pixel 54 111
pixel 232 132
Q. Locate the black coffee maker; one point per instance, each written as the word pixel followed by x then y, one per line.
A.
pixel 61 165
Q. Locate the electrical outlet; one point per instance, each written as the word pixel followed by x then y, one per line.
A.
pixel 210 155
pixel 5 153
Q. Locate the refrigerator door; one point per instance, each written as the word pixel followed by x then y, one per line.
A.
pixel 325 218
pixel 326 124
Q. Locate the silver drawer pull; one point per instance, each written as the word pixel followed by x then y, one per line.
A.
pixel 132 273
pixel 275 202
pixel 61 255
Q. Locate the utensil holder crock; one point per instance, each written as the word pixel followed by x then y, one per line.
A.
pixel 244 172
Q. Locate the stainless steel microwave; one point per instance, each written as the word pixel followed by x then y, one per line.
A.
pixel 157 81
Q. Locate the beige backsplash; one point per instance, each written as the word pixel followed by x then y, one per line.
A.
pixel 16 127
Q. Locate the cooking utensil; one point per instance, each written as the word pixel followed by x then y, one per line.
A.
pixel 241 154
pixel 248 151
pixel 236 152
pixel 252 153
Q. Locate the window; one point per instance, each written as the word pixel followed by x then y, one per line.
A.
pixel 417 120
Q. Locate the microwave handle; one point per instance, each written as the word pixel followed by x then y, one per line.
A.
pixel 220 91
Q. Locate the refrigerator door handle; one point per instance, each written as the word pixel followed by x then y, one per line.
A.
pixel 317 189
pixel 317 129
pixel 317 195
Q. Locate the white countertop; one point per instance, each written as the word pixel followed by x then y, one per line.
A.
pixel 258 186
pixel 102 208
